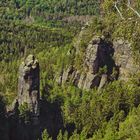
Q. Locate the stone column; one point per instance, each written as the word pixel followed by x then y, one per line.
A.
pixel 29 84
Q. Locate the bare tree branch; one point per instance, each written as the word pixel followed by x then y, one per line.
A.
pixel 119 11
pixel 129 2
pixel 136 12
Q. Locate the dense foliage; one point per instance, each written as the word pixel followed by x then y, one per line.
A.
pixel 43 9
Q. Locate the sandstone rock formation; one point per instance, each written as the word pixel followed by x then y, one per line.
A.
pixel 97 56
pixel 124 59
pixel 29 84
pixel 104 61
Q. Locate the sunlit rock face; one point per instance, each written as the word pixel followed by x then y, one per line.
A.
pixel 103 62
pixel 124 59
pixel 29 84
pixel 98 66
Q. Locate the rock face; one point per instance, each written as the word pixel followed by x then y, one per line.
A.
pixel 98 63
pixel 124 60
pixel 29 84
pixel 104 61
pixel 98 66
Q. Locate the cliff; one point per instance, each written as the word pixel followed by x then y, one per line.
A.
pixel 29 84
pixel 103 61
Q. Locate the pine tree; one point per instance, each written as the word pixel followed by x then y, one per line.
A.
pixel 45 135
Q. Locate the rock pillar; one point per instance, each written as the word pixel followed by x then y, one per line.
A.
pixel 29 85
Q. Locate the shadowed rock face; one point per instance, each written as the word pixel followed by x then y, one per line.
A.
pixel 43 114
pixel 104 61
pixel 29 84
pixel 98 55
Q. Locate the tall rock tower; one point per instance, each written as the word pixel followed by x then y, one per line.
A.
pixel 29 85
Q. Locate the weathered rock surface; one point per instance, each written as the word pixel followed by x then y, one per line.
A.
pixel 124 59
pixel 20 127
pixel 104 62
pixel 29 84
pixel 97 55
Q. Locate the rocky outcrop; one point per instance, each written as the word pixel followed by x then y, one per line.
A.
pixel 29 84
pixel 124 59
pixel 21 126
pixel 98 63
pixel 104 61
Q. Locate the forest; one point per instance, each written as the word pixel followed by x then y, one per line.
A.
pixel 58 33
